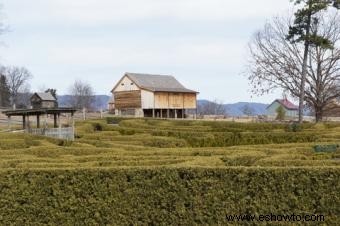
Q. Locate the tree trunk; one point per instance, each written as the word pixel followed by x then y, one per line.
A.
pixel 304 70
pixel 318 114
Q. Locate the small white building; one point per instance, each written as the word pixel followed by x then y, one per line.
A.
pixel 291 109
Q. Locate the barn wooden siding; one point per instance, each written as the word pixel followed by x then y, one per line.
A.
pixel 128 99
pixel 164 100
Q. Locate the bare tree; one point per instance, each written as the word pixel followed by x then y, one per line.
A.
pixel 17 81
pixel 81 95
pixel 214 107
pixel 248 110
pixel 23 98
pixel 277 63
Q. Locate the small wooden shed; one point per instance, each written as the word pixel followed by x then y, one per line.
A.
pixel 43 100
pixel 146 95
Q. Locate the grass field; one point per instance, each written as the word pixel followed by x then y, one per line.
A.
pixel 164 172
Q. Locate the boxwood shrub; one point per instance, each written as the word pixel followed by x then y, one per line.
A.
pixel 166 196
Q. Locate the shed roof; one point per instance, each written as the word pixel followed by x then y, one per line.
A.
pixel 158 83
pixel 286 104
pixel 45 96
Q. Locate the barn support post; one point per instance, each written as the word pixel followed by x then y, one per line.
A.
pixel 175 113
pixel 161 113
pixel 153 113
pixel 183 114
pixel 38 121
pixel 168 113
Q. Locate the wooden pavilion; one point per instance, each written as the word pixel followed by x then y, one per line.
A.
pixel 27 113
pixel 41 107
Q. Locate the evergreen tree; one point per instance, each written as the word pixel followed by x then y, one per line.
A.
pixel 4 92
pixel 301 32
pixel 53 92
pixel 281 113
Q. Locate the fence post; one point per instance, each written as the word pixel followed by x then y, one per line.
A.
pixel 84 113
pixel 73 127
pixel 9 122
pixel 59 127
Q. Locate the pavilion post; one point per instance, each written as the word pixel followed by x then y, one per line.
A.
pixel 24 121
pixel 153 113
pixel 38 121
pixel 59 121
pixel 168 113
pixel 28 122
pixel 45 121
pixel 55 120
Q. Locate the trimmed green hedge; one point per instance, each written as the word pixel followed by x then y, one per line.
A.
pixel 198 139
pixel 165 196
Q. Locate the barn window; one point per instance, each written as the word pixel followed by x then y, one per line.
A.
pixel 122 84
pixel 131 83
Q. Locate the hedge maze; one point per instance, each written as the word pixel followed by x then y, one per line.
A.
pixel 163 172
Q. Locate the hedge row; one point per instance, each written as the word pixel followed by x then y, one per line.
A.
pixel 197 139
pixel 166 196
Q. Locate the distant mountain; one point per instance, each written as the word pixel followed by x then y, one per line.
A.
pixel 236 109
pixel 231 109
pixel 101 101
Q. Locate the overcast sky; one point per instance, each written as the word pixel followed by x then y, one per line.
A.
pixel 203 43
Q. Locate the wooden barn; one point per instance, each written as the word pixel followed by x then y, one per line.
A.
pixel 145 95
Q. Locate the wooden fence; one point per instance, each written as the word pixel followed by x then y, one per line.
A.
pixel 58 133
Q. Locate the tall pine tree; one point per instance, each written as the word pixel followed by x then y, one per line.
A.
pixel 4 92
pixel 301 32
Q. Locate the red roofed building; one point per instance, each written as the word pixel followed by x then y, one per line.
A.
pixel 291 109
